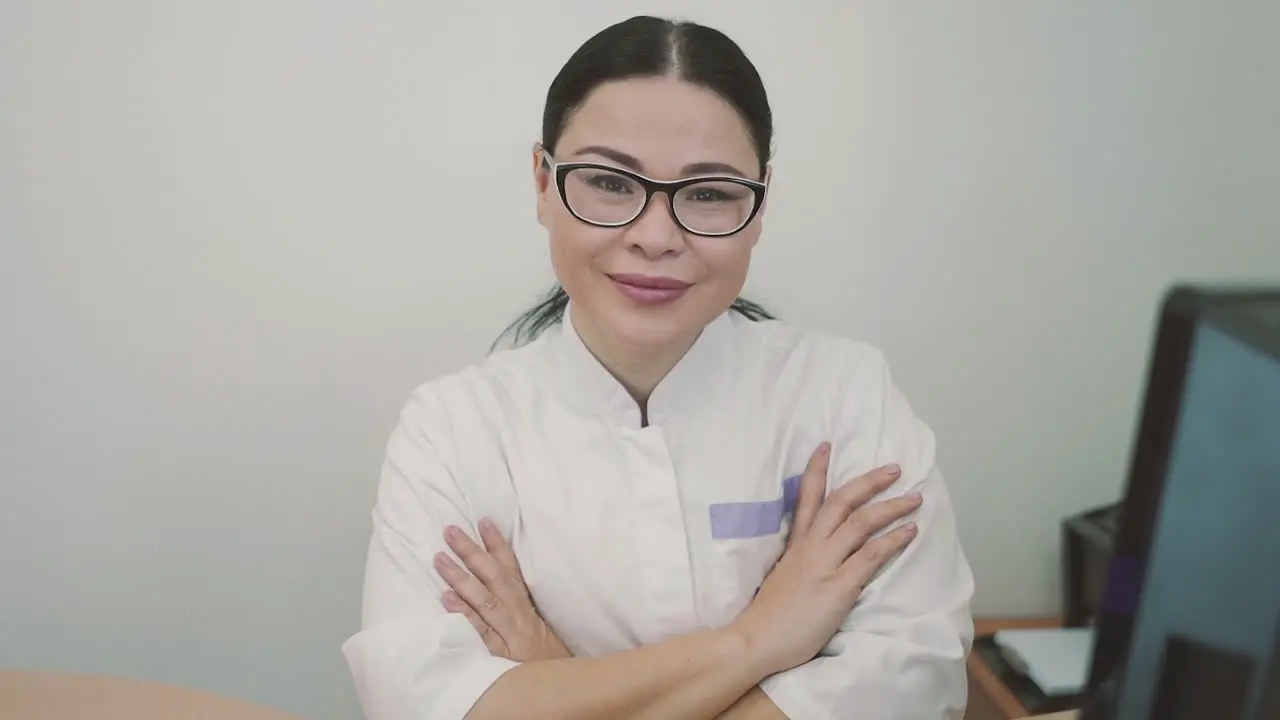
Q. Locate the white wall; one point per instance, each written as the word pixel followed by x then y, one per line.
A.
pixel 233 236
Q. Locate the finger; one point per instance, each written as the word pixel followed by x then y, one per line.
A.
pixel 871 518
pixel 813 486
pixel 473 592
pixel 854 494
pixel 492 640
pixel 496 566
pixel 476 558
pixel 863 566
pixel 499 548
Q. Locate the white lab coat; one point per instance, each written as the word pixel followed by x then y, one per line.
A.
pixel 628 535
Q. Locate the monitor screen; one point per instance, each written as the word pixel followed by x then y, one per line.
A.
pixel 1191 616
pixel 1205 630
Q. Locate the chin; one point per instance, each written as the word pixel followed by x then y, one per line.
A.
pixel 650 336
pixel 655 327
pixel 644 326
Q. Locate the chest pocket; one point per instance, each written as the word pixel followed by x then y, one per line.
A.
pixel 746 520
pixel 748 538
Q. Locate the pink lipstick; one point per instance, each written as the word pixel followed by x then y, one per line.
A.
pixel 650 289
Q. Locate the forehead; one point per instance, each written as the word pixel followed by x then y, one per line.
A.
pixel 663 122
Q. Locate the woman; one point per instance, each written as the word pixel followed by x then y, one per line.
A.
pixel 628 515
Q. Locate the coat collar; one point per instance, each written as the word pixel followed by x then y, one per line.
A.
pixel 591 389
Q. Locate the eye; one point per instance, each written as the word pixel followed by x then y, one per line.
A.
pixel 719 193
pixel 610 183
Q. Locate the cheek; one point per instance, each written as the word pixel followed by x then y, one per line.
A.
pixel 576 250
pixel 727 261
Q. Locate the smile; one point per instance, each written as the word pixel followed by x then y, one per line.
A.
pixel 649 289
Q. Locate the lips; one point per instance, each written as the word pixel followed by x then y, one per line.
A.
pixel 650 289
pixel 651 282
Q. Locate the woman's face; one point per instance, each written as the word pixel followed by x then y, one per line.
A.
pixel 664 129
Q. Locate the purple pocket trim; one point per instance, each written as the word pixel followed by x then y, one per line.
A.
pixel 736 521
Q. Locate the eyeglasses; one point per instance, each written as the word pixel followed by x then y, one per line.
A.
pixel 608 196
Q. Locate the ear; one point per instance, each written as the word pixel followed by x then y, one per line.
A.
pixel 768 178
pixel 541 183
pixel 764 204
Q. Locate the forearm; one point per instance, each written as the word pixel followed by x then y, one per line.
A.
pixel 755 705
pixel 693 677
pixel 914 673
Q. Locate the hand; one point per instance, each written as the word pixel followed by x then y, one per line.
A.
pixel 829 559
pixel 494 598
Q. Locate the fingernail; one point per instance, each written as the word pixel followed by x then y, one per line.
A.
pixel 910 528
pixel 824 449
pixel 442 560
pixel 915 497
pixel 452 533
pixel 893 470
pixel 487 525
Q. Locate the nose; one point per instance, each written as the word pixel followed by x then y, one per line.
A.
pixel 655 233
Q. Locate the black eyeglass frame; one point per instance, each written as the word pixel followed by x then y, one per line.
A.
pixel 669 187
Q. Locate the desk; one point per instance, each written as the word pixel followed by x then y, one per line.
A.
pixel 989 699
pixel 55 696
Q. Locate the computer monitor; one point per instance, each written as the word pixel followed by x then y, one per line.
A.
pixel 1189 625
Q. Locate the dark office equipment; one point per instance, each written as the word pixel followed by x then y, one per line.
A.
pixel 1087 540
pixel 1189 622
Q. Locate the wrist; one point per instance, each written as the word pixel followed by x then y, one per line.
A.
pixel 751 650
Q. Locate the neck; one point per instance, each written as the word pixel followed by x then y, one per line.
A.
pixel 638 369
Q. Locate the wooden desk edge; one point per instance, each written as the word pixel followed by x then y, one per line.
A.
pixel 989 625
pixel 37 693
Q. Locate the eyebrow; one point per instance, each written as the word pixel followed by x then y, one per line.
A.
pixel 630 161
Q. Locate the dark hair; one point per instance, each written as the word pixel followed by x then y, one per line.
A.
pixel 646 47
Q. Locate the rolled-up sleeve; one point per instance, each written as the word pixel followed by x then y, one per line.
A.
pixel 411 659
pixel 900 655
